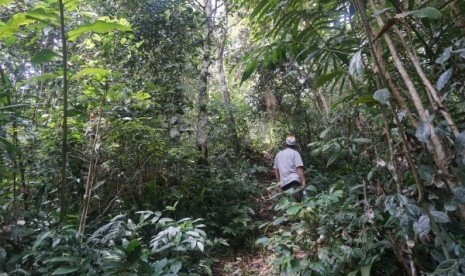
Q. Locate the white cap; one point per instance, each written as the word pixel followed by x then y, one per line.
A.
pixel 290 140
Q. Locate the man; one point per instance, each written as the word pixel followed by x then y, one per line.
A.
pixel 288 166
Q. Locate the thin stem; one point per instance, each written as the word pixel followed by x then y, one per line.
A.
pixel 65 114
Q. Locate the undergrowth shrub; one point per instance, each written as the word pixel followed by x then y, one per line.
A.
pixel 151 245
pixel 327 234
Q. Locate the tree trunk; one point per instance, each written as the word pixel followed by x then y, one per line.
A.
pixel 64 148
pixel 221 43
pixel 441 159
pixel 202 100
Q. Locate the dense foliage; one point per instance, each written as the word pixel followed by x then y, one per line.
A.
pixel 139 144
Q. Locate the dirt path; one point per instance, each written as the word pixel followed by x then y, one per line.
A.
pixel 254 261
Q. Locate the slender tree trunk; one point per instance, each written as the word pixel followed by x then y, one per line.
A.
pixel 202 101
pixel 441 159
pixel 433 95
pixel 221 43
pixel 64 149
pixel 380 64
pixel 92 169
pixel 322 101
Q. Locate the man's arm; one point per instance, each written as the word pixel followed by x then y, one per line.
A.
pixel 300 172
pixel 276 174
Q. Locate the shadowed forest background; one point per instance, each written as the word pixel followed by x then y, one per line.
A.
pixel 137 137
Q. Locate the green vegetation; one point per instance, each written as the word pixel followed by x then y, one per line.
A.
pixel 137 137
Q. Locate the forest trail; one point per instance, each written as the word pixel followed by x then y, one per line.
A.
pixel 250 259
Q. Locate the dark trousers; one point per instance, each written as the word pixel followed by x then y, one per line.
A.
pixel 294 184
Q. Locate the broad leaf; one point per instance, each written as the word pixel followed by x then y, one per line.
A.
pixel 445 56
pixel 333 158
pixel 293 210
pixel 249 70
pixel 141 95
pixel 364 99
pixel 91 71
pixel 365 270
pixel 263 241
pixel 65 270
pixel 459 194
pixel 426 173
pixel 12 107
pixel 43 56
pixel 423 133
pixel 70 5
pixel 428 12
pixel 382 96
pixel 444 79
pixel 46 15
pixel 63 259
pixel 324 133
pixel 5 2
pixel 9 146
pixel 356 68
pixel 40 239
pixel 362 140
pixel 16 21
pixel 440 217
pixel 445 267
pixel 422 226
pixel 98 26
pixel 321 80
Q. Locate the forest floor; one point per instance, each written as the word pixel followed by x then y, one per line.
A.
pixel 250 259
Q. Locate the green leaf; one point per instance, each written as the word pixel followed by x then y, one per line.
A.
pixel 259 9
pixel 445 267
pixel 426 173
pixel 200 246
pixel 262 241
pixel 356 68
pixel 40 239
pixel 428 12
pixel 459 194
pixel 444 79
pixel 62 259
pixel 10 147
pixel 249 70
pixel 324 133
pixel 91 71
pixel 43 56
pixel 43 77
pixel 141 96
pixel 365 270
pixel 159 265
pixel 333 158
pixel 70 5
pixel 382 96
pixel 98 26
pixel 11 107
pixel 327 78
pixel 43 14
pixel 65 270
pixel 422 226
pixel 440 217
pixel 16 21
pixel 364 99
pixel 293 210
pixel 5 2
pixel 423 133
pixel 362 140
pixel 445 56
